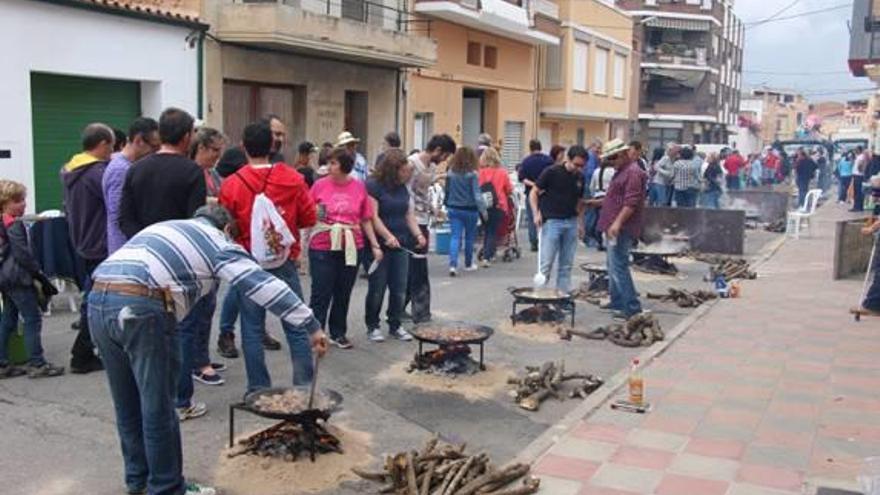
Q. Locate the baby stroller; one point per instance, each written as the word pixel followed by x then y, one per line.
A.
pixel 507 246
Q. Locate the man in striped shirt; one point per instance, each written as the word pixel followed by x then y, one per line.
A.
pixel 139 294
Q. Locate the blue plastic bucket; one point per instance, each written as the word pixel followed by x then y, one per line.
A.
pixel 442 236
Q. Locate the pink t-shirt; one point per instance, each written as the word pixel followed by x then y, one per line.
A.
pixel 340 203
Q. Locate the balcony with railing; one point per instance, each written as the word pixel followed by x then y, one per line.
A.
pixel 669 93
pixel 514 19
pixel 373 31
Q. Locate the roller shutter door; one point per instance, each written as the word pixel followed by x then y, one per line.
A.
pixel 60 107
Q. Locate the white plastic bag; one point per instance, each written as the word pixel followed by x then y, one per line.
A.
pixel 271 240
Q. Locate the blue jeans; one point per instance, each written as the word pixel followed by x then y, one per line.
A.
pixel 559 239
pixel 530 223
pixel 194 333
pixel 22 301
pixel 253 326
pixel 686 198
pixel 591 233
pixel 392 273
pixel 332 282
pixel 843 187
pixel 803 189
pixel 620 283
pixel 462 221
pixel 711 199
pixel 138 342
pixel 858 193
pixel 732 182
pixel 229 312
pixel 658 195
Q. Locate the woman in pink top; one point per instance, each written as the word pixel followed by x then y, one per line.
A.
pixel 338 240
pixel 496 196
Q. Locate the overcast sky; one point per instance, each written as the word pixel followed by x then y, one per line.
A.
pixel 817 43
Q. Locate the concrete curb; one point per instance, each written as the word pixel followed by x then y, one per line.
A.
pixel 546 440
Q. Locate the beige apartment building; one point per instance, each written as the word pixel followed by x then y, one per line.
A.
pixel 485 77
pixel 323 66
pixel 779 112
pixel 587 81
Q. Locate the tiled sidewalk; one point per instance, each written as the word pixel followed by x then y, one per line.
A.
pixel 775 393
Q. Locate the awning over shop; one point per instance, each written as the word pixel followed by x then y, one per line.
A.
pixel 682 24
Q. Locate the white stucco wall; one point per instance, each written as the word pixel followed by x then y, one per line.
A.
pixel 41 37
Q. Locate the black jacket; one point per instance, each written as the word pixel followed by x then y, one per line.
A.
pixel 84 205
pixel 18 268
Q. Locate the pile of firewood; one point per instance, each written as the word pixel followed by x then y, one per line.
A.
pixel 777 226
pixel 541 383
pixel 684 298
pixel 731 268
pixel 447 470
pixel 640 330
pixel 587 294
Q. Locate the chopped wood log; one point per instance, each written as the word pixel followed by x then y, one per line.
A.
pixel 428 478
pixel 378 477
pixel 412 488
pixel 458 476
pixel 530 485
pixel 508 474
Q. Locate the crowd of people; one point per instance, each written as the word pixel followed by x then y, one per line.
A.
pixel 162 214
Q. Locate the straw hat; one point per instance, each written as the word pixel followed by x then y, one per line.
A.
pixel 613 147
pixel 346 138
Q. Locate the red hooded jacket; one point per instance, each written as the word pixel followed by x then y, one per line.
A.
pixel 283 185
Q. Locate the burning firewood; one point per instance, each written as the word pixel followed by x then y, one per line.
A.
pixel 653 263
pixel 451 359
pixel 540 384
pixel 684 298
pixel 777 227
pixel 288 440
pixel 447 470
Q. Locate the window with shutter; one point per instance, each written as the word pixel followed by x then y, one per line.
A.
pixel 553 66
pixel 619 75
pixel 579 65
pixel 512 146
pixel 600 72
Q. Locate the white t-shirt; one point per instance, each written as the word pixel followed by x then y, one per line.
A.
pixel 859 165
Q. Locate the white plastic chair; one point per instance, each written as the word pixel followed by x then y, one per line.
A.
pixel 796 218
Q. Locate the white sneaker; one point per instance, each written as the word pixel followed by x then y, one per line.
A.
pixel 453 272
pixel 376 335
pixel 472 268
pixel 402 334
pixel 196 489
pixel 195 410
pixel 485 264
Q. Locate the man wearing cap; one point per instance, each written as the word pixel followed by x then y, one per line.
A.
pixel 621 221
pixel 348 141
pixel 557 206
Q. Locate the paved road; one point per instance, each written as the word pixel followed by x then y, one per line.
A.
pixel 59 436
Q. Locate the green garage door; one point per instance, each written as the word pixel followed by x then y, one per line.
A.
pixel 61 106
